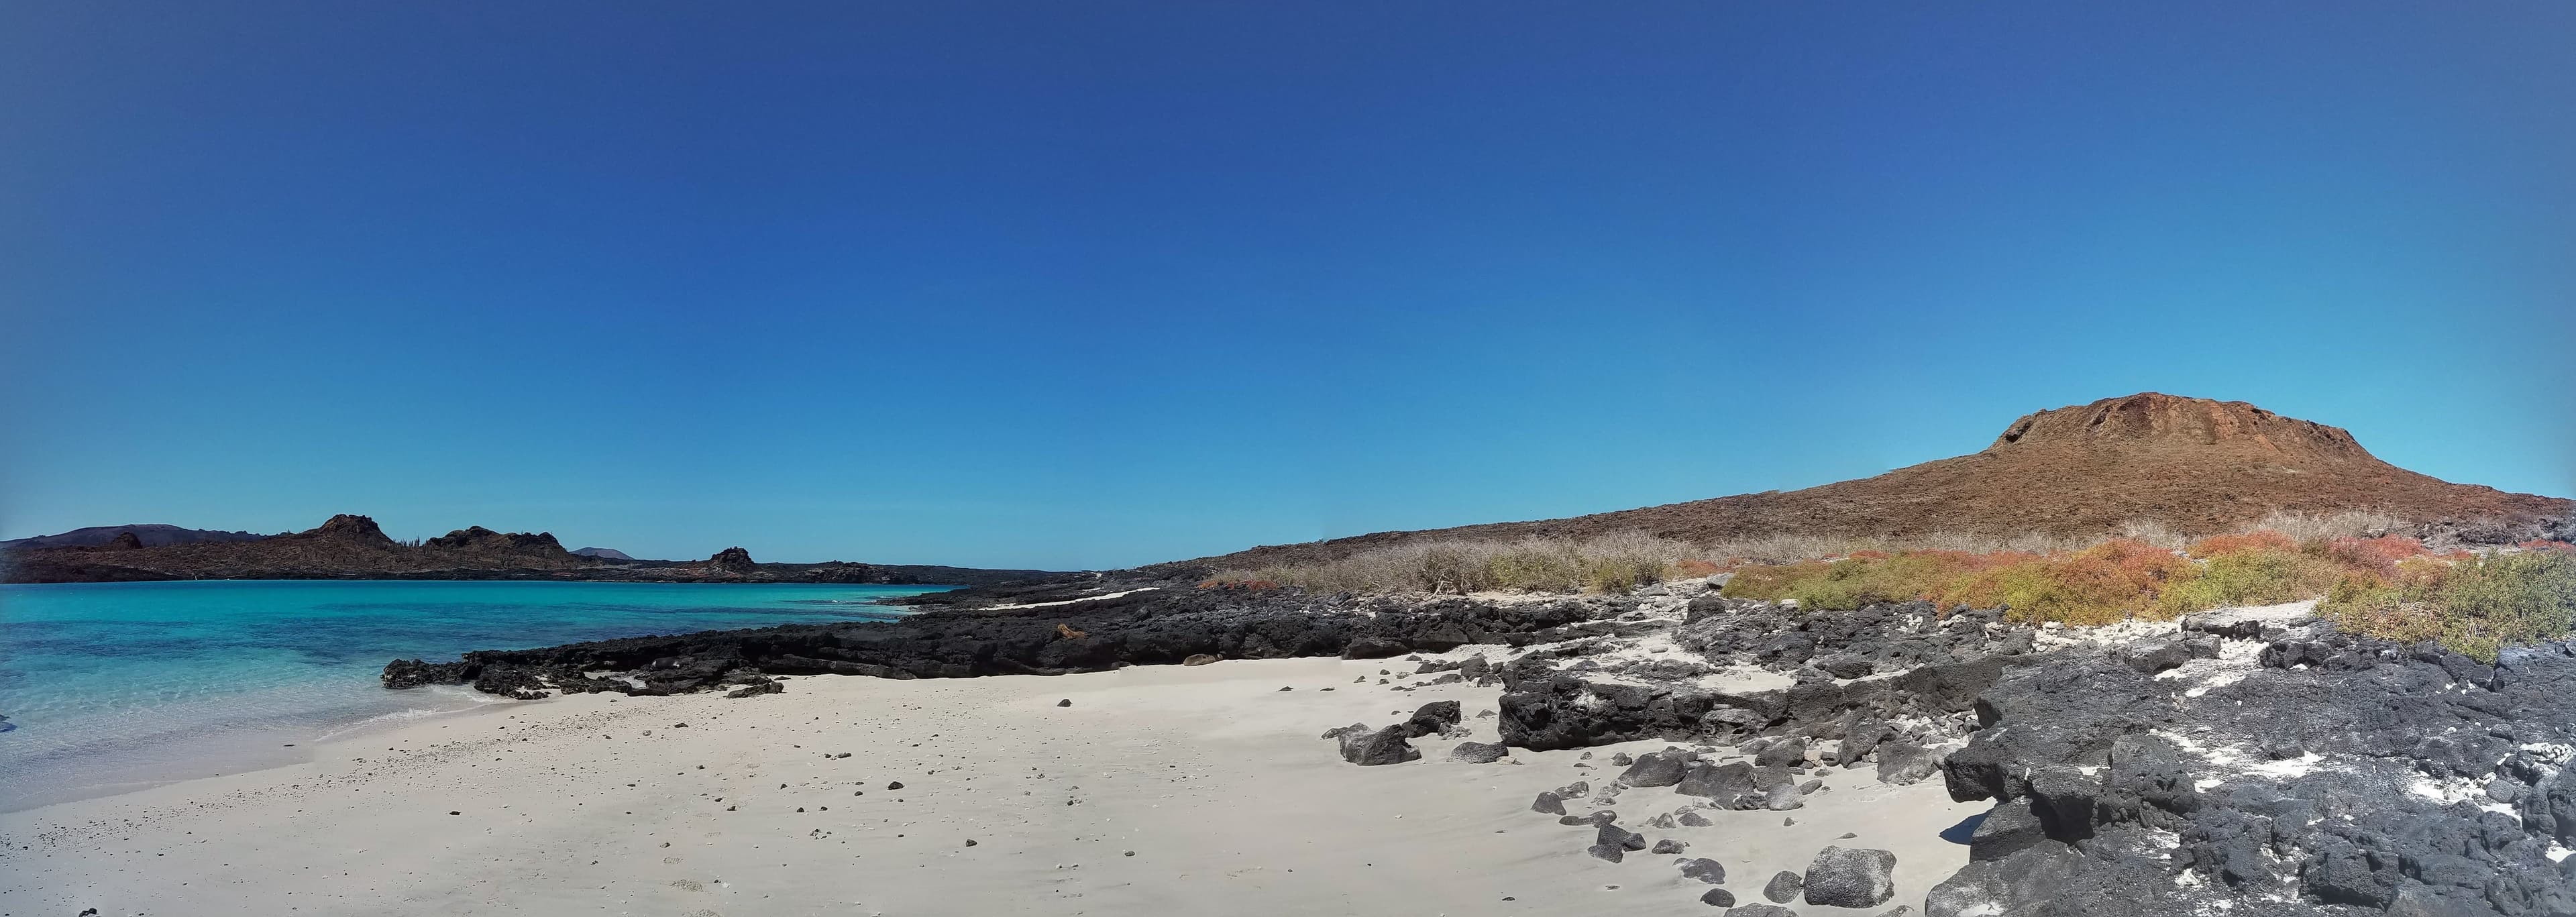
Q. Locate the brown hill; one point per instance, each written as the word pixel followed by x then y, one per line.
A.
pixel 2196 465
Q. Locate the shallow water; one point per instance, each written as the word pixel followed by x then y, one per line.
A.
pixel 113 685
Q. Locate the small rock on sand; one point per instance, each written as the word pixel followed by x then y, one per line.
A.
pixel 1845 877
pixel 1478 752
pixel 1703 869
pixel 1783 887
pixel 1067 702
pixel 1385 746
pixel 1198 659
pixel 1661 768
pixel 1718 897
pixel 1549 803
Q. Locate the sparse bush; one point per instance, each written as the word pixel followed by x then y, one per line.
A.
pixel 1613 562
pixel 2503 599
pixel 2258 573
pixel 2098 585
pixel 1692 568
pixel 1770 582
pixel 2379 555
pixel 2306 527
pixel 1236 579
pixel 2153 532
pixel 2256 540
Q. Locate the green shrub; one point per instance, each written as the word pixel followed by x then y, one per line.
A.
pixel 2504 599
pixel 2257 575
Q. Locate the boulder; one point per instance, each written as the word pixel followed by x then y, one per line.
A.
pixel 1385 746
pixel 1783 754
pixel 1783 887
pixel 1659 768
pixel 1845 877
pixel 1906 764
pixel 1432 718
pixel 1703 869
pixel 1340 731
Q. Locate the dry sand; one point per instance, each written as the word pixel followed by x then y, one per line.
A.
pixel 1211 775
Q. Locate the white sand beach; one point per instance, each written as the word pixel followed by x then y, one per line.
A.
pixel 1211 776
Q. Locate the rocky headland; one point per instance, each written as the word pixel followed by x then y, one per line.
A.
pixel 354 547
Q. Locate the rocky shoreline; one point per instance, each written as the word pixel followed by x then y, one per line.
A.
pixel 2242 762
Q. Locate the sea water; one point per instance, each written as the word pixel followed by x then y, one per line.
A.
pixel 113 686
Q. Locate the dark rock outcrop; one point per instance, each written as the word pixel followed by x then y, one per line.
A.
pixel 1147 626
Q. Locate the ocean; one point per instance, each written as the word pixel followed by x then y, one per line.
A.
pixel 113 686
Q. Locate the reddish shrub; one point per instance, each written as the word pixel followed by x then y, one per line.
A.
pixel 2265 539
pixel 2377 557
pixel 1694 567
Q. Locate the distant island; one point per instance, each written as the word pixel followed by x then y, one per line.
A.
pixel 353 547
pixel 150 535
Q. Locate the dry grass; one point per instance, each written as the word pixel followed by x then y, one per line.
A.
pixel 2307 527
pixel 1615 562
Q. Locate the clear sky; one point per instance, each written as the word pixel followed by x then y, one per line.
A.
pixel 1096 284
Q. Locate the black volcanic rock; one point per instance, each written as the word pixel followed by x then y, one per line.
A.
pixel 347 527
pixel 603 553
pixel 733 560
pixel 478 538
pixel 1148 626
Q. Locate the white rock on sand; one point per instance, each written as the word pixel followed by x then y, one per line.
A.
pixel 1211 775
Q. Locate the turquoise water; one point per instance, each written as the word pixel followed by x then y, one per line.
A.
pixel 115 685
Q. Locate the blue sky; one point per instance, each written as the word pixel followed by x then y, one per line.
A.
pixel 1086 285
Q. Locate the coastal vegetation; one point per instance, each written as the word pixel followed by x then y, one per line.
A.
pixel 2367 581
pixel 1615 562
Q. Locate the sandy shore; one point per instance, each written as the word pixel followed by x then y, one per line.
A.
pixel 1162 789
